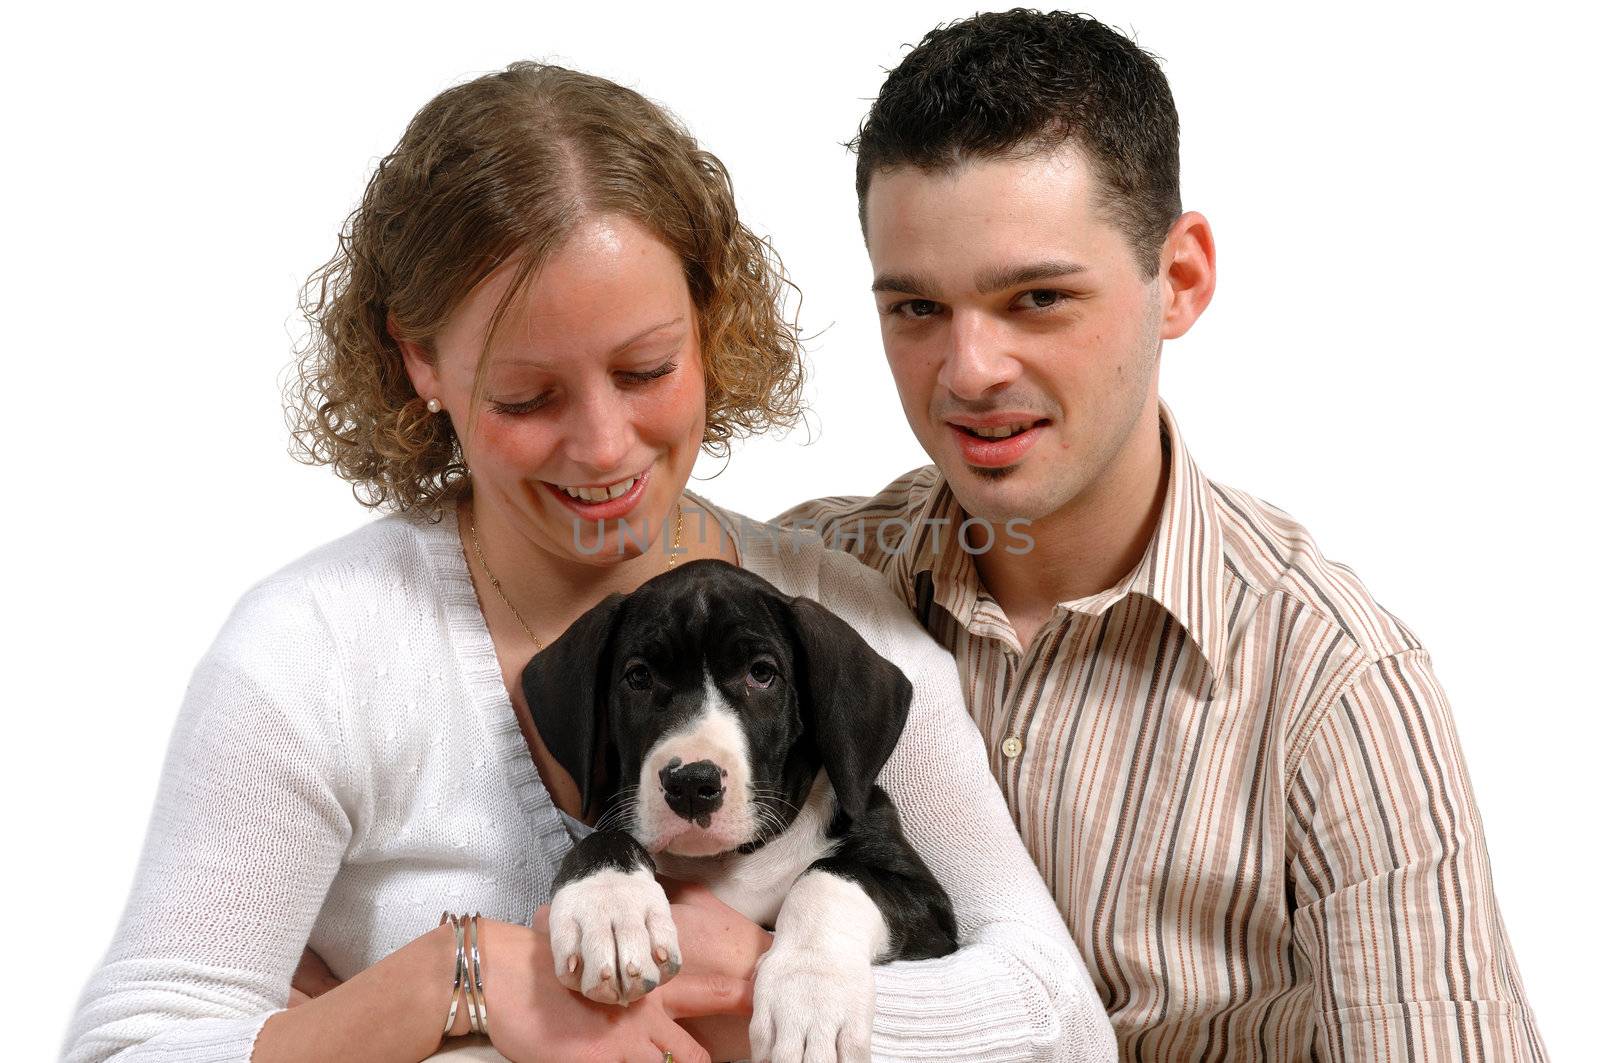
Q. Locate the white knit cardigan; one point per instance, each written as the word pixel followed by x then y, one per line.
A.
pixel 346 764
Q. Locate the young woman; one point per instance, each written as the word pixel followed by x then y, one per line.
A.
pixel 543 308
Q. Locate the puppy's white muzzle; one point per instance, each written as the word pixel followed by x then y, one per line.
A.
pixel 694 786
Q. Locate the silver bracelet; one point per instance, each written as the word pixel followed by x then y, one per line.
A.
pixel 477 1005
pixel 461 970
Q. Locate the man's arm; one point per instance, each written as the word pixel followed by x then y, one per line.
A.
pixel 1395 909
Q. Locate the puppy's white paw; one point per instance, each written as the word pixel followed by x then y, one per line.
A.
pixel 811 1007
pixel 612 935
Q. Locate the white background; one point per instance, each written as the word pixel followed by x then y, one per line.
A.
pixel 1400 354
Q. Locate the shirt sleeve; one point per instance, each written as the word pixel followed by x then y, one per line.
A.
pixel 247 832
pixel 1017 989
pixel 1394 906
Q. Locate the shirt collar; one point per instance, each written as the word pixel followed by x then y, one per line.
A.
pixel 934 555
pixel 1181 569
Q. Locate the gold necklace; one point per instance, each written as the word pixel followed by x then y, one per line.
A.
pixel 472 526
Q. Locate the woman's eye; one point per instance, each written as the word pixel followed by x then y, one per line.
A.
pixel 514 408
pixel 637 677
pixel 761 675
pixel 650 374
pixel 1040 299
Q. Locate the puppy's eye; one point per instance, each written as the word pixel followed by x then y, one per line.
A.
pixel 761 675
pixel 637 677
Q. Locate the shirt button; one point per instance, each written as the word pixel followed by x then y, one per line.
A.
pixel 1011 747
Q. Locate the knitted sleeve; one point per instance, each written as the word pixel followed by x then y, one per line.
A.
pixel 1017 989
pixel 247 832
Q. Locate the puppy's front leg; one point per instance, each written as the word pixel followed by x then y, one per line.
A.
pixel 611 929
pixel 814 989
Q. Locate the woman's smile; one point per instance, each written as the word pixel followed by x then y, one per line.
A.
pixel 607 501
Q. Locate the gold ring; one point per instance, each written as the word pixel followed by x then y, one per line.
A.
pixel 666 1056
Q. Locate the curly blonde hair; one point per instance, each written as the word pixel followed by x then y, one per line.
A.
pixel 501 169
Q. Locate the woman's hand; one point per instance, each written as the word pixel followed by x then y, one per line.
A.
pixel 713 938
pixel 311 979
pixel 716 942
pixel 533 1017
pixel 720 950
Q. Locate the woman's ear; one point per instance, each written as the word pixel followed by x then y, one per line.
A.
pixel 419 366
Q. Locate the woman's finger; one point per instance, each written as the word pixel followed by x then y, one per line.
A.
pixel 685 1049
pixel 691 995
pixel 670 1038
pixel 313 976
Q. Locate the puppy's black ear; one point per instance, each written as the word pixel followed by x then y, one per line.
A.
pixel 566 685
pixel 855 700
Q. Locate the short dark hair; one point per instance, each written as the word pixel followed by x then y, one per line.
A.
pixel 1012 83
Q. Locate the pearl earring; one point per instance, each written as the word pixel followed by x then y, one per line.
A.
pixel 434 406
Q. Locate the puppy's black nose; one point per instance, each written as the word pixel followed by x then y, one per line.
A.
pixel 694 791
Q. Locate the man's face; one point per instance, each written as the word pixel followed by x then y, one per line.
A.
pixel 1022 335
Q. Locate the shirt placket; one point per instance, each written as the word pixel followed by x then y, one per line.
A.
pixel 1027 689
pixel 1006 732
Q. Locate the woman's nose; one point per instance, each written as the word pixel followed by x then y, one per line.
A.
pixel 599 435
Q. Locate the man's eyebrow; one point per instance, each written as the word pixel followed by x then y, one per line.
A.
pixel 1011 276
pixel 908 283
pixel 991 281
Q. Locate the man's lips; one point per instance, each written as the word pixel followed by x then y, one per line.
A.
pixel 612 508
pixel 991 452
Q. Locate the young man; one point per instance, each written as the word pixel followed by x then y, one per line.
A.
pixel 1234 768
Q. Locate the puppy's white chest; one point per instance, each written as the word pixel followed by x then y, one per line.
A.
pixel 755 885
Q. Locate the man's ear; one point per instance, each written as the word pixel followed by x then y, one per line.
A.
pixel 567 686
pixel 1188 273
pixel 855 701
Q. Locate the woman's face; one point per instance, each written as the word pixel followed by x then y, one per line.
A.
pixel 594 404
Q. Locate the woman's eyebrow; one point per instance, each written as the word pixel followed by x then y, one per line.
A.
pixel 645 333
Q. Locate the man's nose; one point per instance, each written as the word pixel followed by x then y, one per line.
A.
pixel 693 791
pixel 979 359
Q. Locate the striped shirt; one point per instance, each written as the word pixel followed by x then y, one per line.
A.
pixel 1240 779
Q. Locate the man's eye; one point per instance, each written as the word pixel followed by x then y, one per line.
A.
pixel 915 308
pixel 637 677
pixel 1040 299
pixel 761 675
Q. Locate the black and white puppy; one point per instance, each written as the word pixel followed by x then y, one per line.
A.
pixel 733 735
